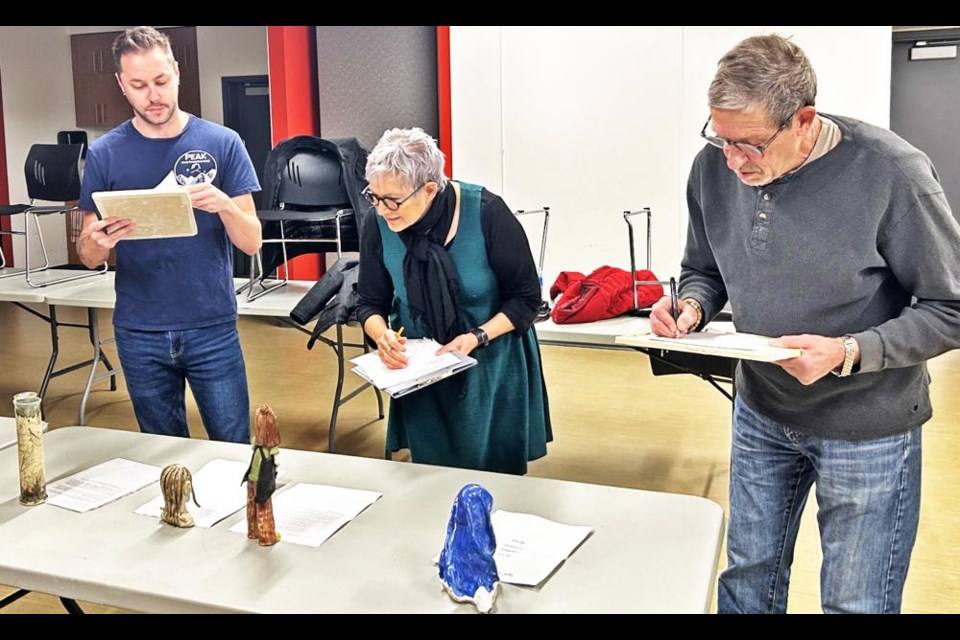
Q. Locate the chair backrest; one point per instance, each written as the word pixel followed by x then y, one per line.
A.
pixel 53 172
pixel 313 178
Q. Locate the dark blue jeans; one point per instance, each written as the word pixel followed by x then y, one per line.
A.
pixel 156 364
pixel 868 493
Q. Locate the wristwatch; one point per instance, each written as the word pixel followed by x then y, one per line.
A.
pixel 849 353
pixel 482 338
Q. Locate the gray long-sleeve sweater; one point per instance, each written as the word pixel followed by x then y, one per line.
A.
pixel 860 242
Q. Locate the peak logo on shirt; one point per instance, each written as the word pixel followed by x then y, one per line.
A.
pixel 195 167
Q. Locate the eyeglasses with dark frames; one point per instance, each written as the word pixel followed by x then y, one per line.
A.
pixel 391 204
pixel 749 149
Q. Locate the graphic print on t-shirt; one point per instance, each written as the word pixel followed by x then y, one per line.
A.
pixel 195 167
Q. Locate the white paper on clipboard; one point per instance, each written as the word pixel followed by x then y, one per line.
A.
pixel 164 212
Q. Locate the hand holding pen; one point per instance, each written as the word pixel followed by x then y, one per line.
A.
pixel 390 346
pixel 671 317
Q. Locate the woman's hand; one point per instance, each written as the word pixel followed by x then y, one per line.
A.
pixel 463 343
pixel 390 348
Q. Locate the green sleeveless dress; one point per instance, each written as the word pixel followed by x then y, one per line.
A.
pixel 493 416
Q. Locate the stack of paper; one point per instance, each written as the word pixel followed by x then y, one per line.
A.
pixel 101 484
pixel 308 514
pixel 423 368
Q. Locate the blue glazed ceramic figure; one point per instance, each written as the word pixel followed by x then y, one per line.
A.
pixel 467 568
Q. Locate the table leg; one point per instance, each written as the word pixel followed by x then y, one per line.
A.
pixel 54 350
pixel 98 357
pixel 93 330
pixel 338 349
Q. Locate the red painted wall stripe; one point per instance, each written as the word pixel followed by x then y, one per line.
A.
pixel 295 105
pixel 5 241
pixel 443 88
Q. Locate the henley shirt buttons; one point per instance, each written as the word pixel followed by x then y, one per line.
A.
pixel 763 216
pixel 766 196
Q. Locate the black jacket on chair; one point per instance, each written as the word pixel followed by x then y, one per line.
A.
pixel 334 299
pixel 280 168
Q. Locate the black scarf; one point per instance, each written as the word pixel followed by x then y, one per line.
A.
pixel 428 271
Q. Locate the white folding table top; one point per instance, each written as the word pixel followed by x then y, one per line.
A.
pixel 8 431
pixel 649 552
pixel 102 295
pixel 16 289
pixel 278 303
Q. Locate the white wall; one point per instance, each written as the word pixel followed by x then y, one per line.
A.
pixel 37 102
pixel 597 120
pixel 36 72
pixel 227 51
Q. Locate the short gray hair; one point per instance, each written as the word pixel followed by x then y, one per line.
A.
pixel 768 72
pixel 140 40
pixel 411 154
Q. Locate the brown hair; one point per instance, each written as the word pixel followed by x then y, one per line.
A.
pixel 139 40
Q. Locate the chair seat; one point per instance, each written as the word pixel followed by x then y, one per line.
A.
pixel 314 215
pixel 49 210
pixel 13 209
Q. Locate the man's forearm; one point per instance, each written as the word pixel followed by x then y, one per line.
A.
pixel 243 227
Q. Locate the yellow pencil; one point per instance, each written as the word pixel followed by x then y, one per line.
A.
pixel 400 333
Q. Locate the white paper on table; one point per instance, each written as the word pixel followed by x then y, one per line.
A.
pixel 309 514
pixel 529 547
pixel 421 362
pixel 219 488
pixel 101 484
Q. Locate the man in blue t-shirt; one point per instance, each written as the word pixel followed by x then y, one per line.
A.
pixel 176 314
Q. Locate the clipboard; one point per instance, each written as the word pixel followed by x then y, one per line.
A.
pixel 400 390
pixel 158 213
pixel 738 346
pixel 421 374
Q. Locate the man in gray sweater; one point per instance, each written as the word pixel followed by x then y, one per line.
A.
pixel 835 237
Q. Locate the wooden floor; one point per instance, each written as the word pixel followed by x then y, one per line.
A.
pixel 613 423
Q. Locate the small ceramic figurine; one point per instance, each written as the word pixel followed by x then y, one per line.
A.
pixel 261 477
pixel 467 568
pixel 176 484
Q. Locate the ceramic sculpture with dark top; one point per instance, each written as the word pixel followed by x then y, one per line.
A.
pixel 176 485
pixel 261 477
pixel 467 568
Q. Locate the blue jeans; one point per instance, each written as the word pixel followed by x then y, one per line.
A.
pixel 869 498
pixel 157 363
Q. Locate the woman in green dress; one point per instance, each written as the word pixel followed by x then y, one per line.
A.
pixel 448 260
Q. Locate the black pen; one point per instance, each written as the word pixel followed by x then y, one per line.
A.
pixel 674 303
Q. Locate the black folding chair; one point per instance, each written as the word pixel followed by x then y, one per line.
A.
pixel 53 174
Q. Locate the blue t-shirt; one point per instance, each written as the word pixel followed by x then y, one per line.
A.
pixel 172 284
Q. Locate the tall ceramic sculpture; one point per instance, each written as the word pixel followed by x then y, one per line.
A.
pixel 467 568
pixel 261 477
pixel 176 485
pixel 33 486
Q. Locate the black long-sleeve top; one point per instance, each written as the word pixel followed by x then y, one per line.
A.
pixel 508 253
